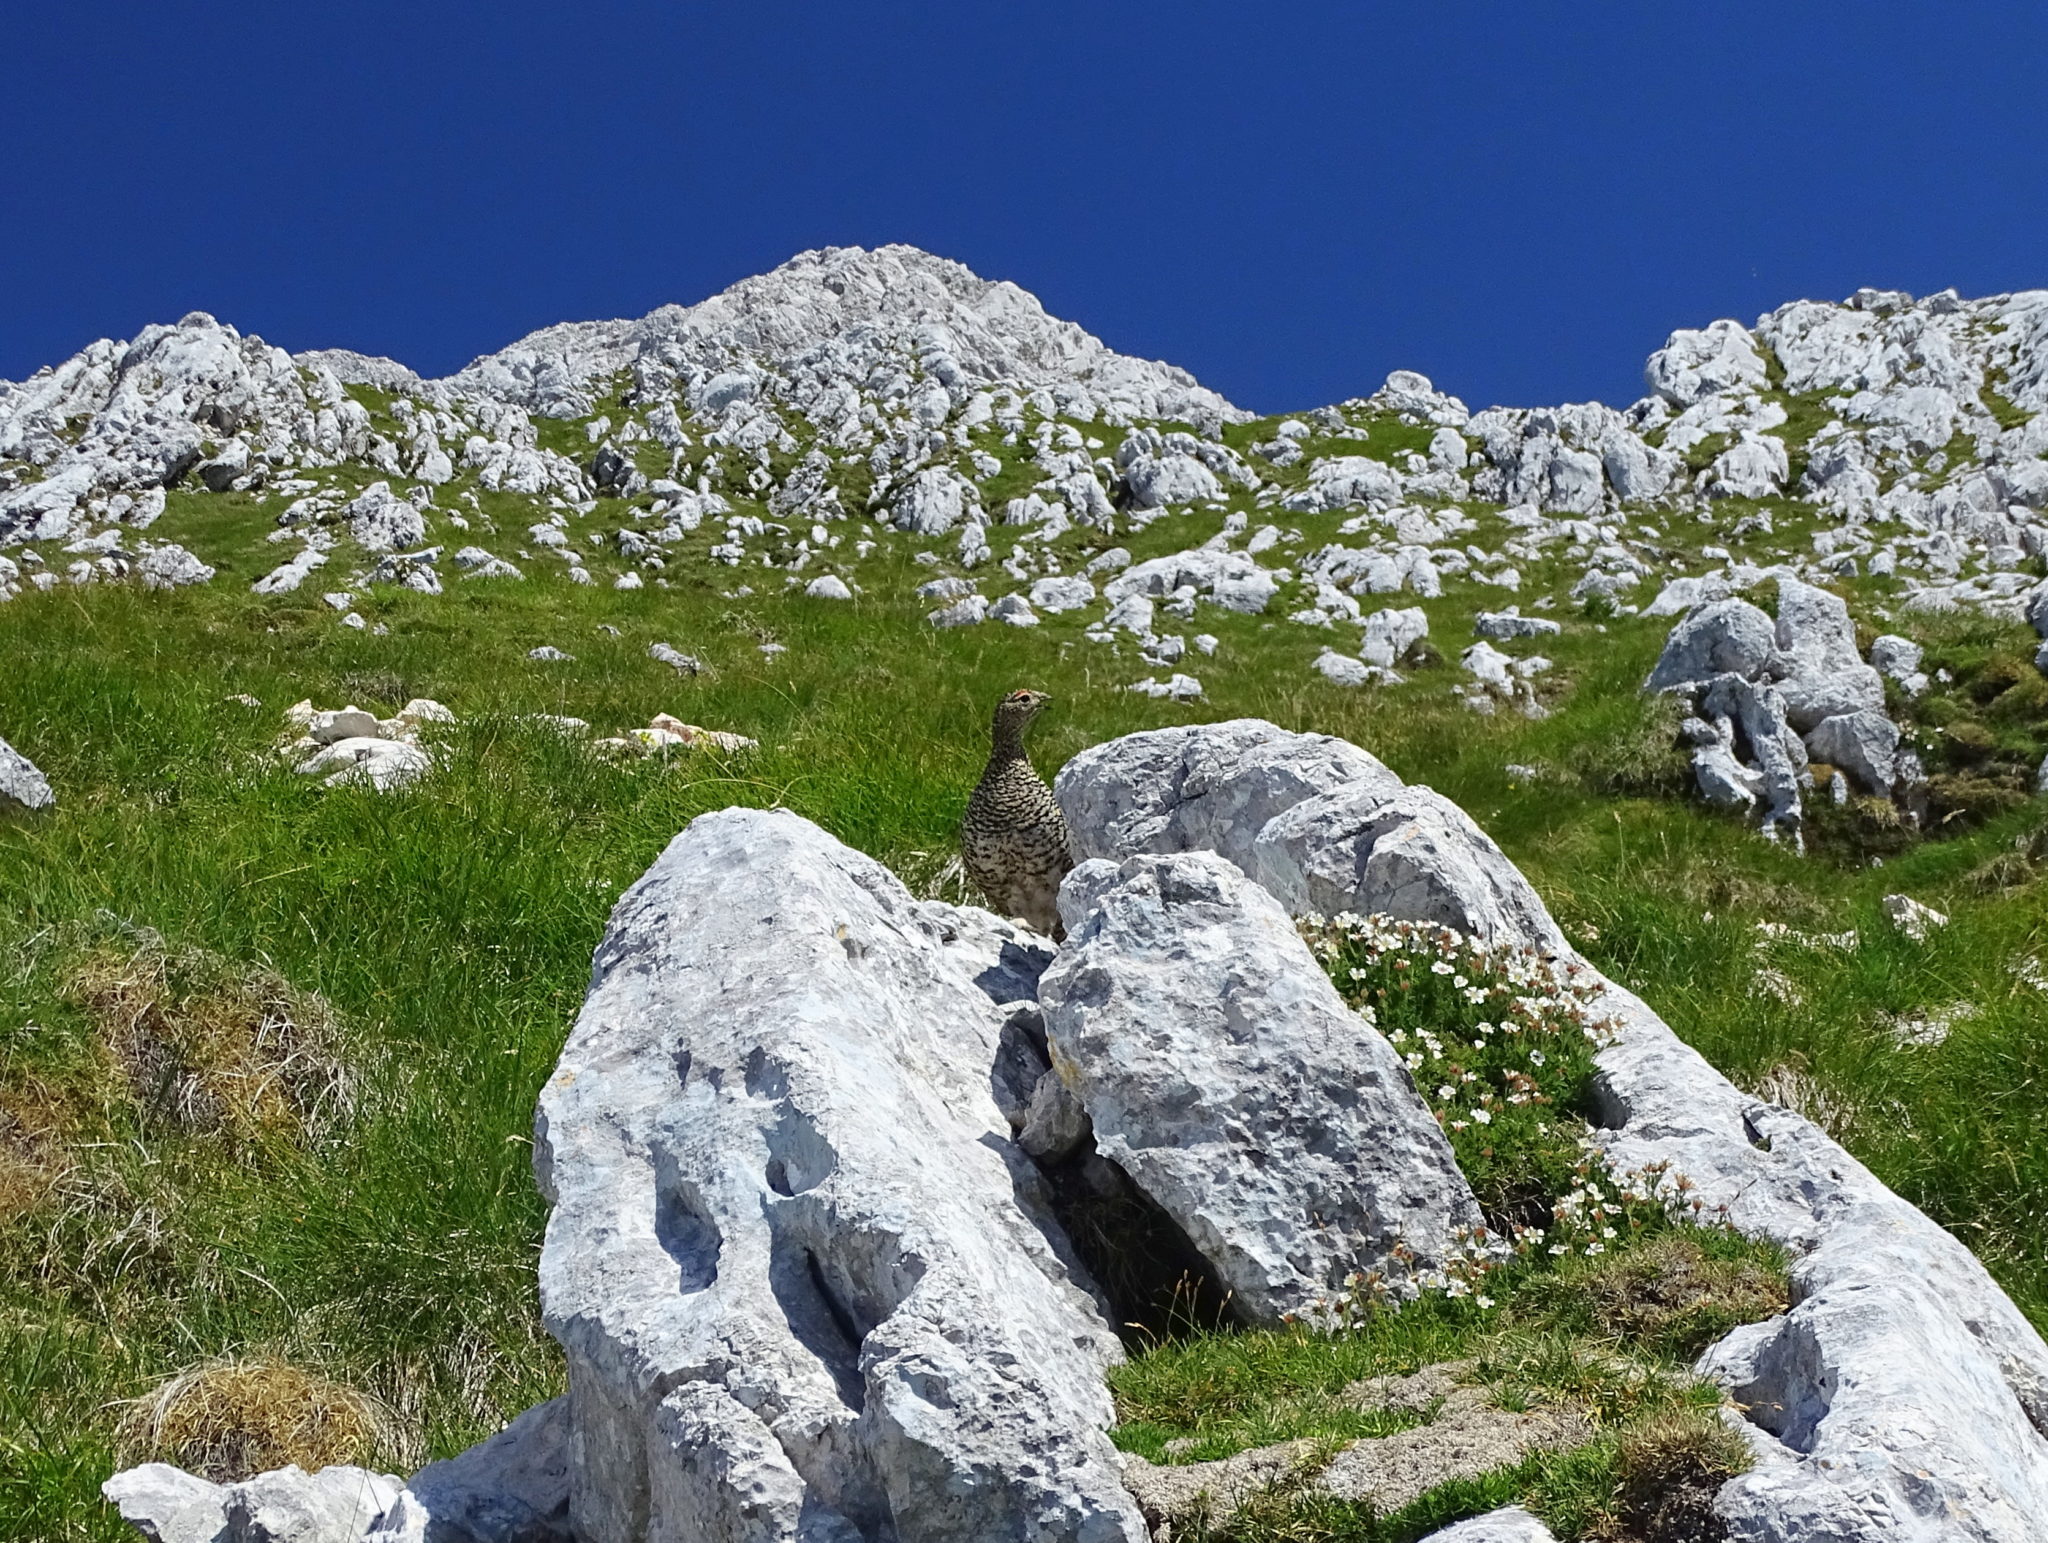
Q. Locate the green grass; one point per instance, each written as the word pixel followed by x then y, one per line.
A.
pixel 451 926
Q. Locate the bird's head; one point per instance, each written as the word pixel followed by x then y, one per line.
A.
pixel 1018 708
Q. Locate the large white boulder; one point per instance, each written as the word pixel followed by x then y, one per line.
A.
pixel 934 501
pixel 1695 364
pixel 1823 673
pixel 793 1256
pixel 1719 637
pixel 1225 1076
pixel 21 782
pixel 1208 787
pixel 381 521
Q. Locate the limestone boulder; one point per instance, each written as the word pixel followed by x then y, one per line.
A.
pixel 1413 855
pixel 800 1272
pixel 21 783
pixel 1226 1078
pixel 1864 744
pixel 1721 637
pixel 1207 787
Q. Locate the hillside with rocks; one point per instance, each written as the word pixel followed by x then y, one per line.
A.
pixel 586 732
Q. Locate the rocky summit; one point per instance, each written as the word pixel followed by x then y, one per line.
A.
pixel 1535 1044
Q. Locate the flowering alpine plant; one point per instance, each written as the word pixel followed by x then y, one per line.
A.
pixel 1501 1045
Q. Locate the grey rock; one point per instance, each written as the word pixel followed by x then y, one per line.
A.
pixel 1056 1123
pixel 1013 609
pixel 1062 594
pixel 1706 362
pixel 1410 853
pixel 290 1505
pixel 341 723
pixel 793 1255
pixel 384 765
pixel 1863 744
pixel 1724 781
pixel 1510 1524
pixel 1342 669
pixel 1489 666
pixel 1721 637
pixel 289 575
pixel 476 563
pixel 962 613
pixel 1905 1396
pixel 1758 711
pixel 1502 626
pixel 547 653
pixel 828 586
pixel 934 501
pixel 1227 1079
pixel 1386 636
pixel 510 1488
pixel 675 659
pixel 21 783
pixel 1181 688
pixel 945 589
pixel 1208 787
pixel 1822 673
pixel 381 521
pixel 1898 659
pixel 166 565
pixel 168 1505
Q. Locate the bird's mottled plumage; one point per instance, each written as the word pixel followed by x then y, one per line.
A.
pixel 1014 841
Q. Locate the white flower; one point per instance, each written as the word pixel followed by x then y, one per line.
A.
pixel 1446 1091
pixel 1535 1058
pixel 1480 1116
pixel 1439 968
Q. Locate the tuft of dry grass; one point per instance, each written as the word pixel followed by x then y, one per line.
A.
pixel 1666 1292
pixel 1671 1469
pixel 204 1044
pixel 1793 1087
pixel 228 1419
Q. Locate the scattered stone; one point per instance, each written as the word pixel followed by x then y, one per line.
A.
pixel 21 783
pixel 169 566
pixel 666 733
pixel 1911 917
pixel 828 587
pixel 681 663
pixel 1181 688
pixel 1014 610
pixel 1504 626
pixel 547 653
pixel 964 613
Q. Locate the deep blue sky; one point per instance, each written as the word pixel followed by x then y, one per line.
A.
pixel 1520 199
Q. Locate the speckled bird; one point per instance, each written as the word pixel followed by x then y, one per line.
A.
pixel 1014 841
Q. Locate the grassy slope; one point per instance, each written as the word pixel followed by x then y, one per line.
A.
pixel 452 926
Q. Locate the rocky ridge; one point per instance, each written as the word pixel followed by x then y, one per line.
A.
pixel 894 387
pixel 808 423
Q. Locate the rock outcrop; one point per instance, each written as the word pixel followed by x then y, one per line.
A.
pixel 812 1287
pixel 1767 698
pixel 801 1273
pixel 1223 1074
pixel 1904 1396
